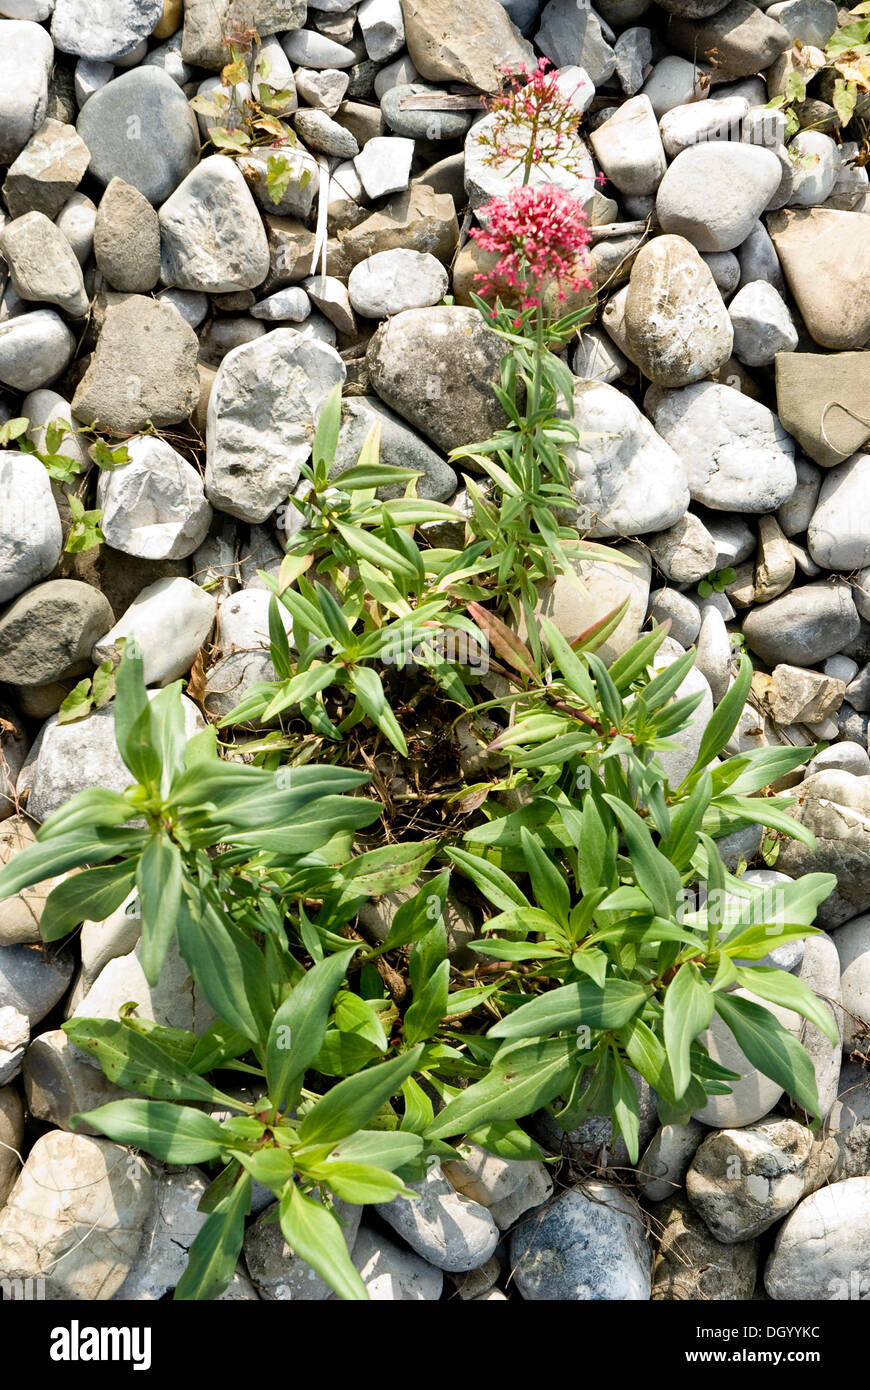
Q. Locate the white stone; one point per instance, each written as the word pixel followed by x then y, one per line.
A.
pixel 383 28
pixel 243 621
pixel 754 1094
pixel 384 165
pixel 486 178
pixel 716 119
pixel 762 324
pixel 103 29
pixel 817 165
pixel 170 619
pixel 174 1002
pixel 69 757
pixel 324 89
pixel 14 1037
pixel 35 347
pixel 42 265
pixel 261 417
pixel 154 506
pixel 838 535
pixel 627 479
pixel 76 220
pixel 390 281
pixel 291 304
pixel 309 49
pixel 714 652
pixel 686 552
pixel 675 81
pixel 736 453
pixel 696 196
pixel 822 1249
pixel 330 296
pixel 90 76
pixel 394 1275
pixel 443 1227
pixel 171 1225
pixel 74 1217
pixel 629 148
pixel 212 236
pixel 43 408
pixel 31 535
pixel 26 58
pixel 596 357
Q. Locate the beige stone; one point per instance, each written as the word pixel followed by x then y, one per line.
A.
pixel 803 697
pixel 825 255
pixel 453 41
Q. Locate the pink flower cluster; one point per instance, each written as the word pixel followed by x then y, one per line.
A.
pixel 540 237
pixel 535 119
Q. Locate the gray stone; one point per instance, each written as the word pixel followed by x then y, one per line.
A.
pixel 630 481
pixel 691 1266
pixel 736 453
pixel 592 1141
pixel 288 305
pixel 838 535
pixel 596 357
pixel 677 325
pixel 140 128
pixel 104 30
pixel 229 680
pixel 330 295
pixel 35 348
pixel 443 1227
pixel 696 123
pixel 170 620
pixel 393 1274
pixel 849 1123
pixel 154 507
pixel 822 1249
pixel 14 1037
pixel 74 1217
pixel 90 76
pixel 76 220
pixel 59 1085
pixel 754 1094
pixel 802 627
pixel 451 41
pixel 127 239
pixel 32 981
pixel 745 40
pixel 143 371
pixel 325 90
pixel 46 634
pixel 568 37
pixel 663 1164
pixel 696 199
pixel 312 50
pixel 795 514
pixel 31 535
pixel 683 614
pixel 172 1224
pixel 758 259
pixel 685 552
pixel 212 237
pixel 424 357
pixel 47 171
pixel 320 132
pixel 42 265
pixel 590 1244
pixel 742 1181
pixel 673 82
pixel 26 58
pixel 834 805
pixel 261 420
pixel 174 1002
pixel 207 22
pixel 69 757
pixel 279 1274
pixel 417 123
pixel 762 324
pixel 400 447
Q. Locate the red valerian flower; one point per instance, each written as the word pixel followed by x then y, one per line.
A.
pixel 540 236
pixel 535 118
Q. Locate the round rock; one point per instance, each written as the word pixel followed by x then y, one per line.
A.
pixel 677 324
pixel 140 128
pixel 392 281
pixel 103 30
pixel 589 1244
pixel 416 122
pixel 696 197
pixel 212 236
pixel 34 349
pixel 47 633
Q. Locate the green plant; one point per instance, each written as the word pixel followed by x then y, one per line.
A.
pixel 717 582
pixel 251 109
pixel 90 693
